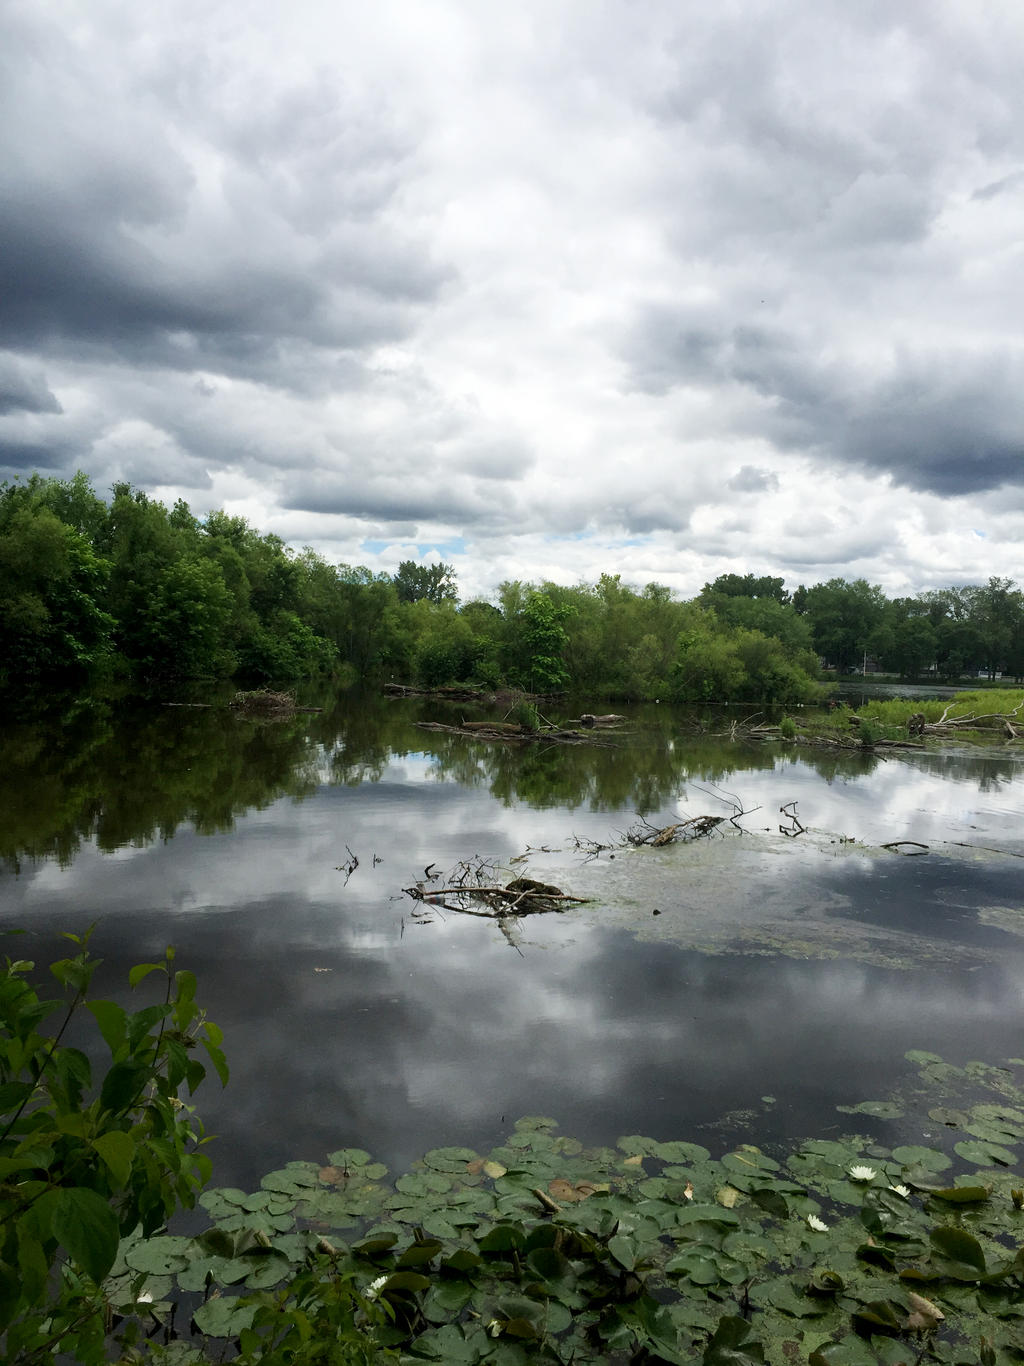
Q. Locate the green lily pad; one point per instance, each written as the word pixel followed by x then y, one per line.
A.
pixel 952 1119
pixel 880 1109
pixel 349 1157
pixel 680 1152
pixel 160 1256
pixel 423 1184
pixel 985 1154
pixel 637 1144
pixel 288 1180
pixel 449 1159
pixel 911 1155
pixel 961 1195
pixel 224 1317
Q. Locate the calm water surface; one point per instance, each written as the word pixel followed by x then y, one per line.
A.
pixel 781 976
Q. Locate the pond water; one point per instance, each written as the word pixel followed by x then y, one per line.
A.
pixel 782 975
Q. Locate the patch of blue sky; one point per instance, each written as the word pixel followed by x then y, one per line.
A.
pixel 456 546
pixel 612 542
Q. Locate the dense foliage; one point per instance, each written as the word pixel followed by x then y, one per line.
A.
pixel 84 1164
pixel 132 588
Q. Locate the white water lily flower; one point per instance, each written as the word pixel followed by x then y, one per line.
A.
pixel 144 1297
pixel 901 1190
pixel 374 1288
pixel 818 1225
pixel 862 1173
pixel 494 1328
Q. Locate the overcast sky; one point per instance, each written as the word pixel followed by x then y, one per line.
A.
pixel 545 289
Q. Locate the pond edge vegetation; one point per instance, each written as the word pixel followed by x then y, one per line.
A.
pixel 128 589
pixel 840 1252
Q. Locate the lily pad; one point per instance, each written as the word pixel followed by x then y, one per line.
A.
pixel 681 1152
pixel 911 1155
pixel 449 1159
pixel 224 1317
pixel 985 1154
pixel 160 1256
pixel 952 1119
pixel 349 1157
pixel 880 1109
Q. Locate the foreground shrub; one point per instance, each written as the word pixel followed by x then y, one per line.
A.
pixel 85 1161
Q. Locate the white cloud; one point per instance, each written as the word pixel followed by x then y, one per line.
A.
pixel 646 288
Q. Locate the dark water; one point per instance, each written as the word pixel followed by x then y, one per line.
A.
pixel 794 969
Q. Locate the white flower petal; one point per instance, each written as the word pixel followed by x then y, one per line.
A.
pixel 862 1173
pixel 374 1288
pixel 818 1225
pixel 901 1190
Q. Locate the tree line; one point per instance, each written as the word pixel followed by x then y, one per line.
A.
pixel 132 588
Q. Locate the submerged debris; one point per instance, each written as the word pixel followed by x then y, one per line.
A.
pixel 510 731
pixel 471 888
pixel 692 828
pixel 264 702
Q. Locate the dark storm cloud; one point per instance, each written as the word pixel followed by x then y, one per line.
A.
pixel 405 501
pixel 23 390
pixel 22 457
pixel 949 423
pixel 114 242
pixel 91 287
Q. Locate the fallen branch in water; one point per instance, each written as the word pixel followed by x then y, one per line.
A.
pixel 511 733
pixel 794 828
pixel 697 827
pixel 909 848
pixel 464 885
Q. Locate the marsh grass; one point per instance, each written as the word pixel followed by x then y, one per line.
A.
pixel 897 711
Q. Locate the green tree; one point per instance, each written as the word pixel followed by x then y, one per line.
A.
pixel 52 586
pixel 543 642
pixel 843 616
pixel 744 586
pixel 432 582
pixel 186 622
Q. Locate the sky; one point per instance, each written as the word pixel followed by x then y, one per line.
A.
pixel 544 290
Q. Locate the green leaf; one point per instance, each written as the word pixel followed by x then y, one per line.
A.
pixel 222 1316
pixel 404 1281
pixel 961 1195
pixel 118 1151
pixel 112 1020
pixel 985 1154
pixel 141 971
pixel 13 1093
pixel 122 1085
pixel 733 1344
pixel 911 1155
pixel 961 1247
pixel 877 1316
pixel 449 1159
pixel 424 1250
pixel 159 1256
pixel 682 1153
pixel 87 1227
pixel 216 1056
